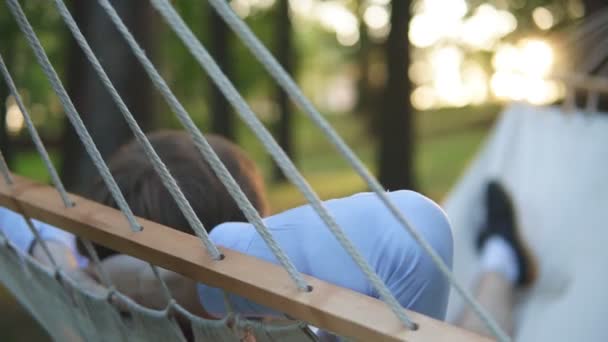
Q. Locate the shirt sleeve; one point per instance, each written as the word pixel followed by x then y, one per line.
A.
pixel 16 230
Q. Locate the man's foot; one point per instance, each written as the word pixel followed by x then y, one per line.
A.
pixel 501 223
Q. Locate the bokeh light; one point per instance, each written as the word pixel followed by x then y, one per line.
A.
pixel 244 8
pixel 448 36
pixel 521 72
pixel 446 72
pixel 543 18
pixel 14 118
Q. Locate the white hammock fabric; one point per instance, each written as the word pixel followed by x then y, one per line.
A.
pixel 555 166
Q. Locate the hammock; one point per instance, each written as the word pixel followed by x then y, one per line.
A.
pixel 554 164
pixel 70 313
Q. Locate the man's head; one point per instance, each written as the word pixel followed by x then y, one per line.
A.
pixel 148 198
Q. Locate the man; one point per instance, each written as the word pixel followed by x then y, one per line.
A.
pixel 399 261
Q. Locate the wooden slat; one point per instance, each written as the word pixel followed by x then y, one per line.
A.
pixel 330 307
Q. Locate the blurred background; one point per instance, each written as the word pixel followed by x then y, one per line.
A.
pixel 412 86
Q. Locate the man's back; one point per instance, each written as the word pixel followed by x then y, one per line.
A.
pixel 389 249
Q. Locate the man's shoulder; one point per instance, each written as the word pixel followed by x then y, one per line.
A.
pixel 233 235
pixel 421 215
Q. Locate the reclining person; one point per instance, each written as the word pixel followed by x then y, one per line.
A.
pixel 405 268
pixel 507 264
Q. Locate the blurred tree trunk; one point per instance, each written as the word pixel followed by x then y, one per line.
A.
pixel 369 89
pixel 593 6
pixel 7 55
pixel 222 118
pixel 99 113
pixel 396 137
pixel 285 56
pixel 363 82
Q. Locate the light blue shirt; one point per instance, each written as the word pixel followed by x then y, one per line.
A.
pixel 390 250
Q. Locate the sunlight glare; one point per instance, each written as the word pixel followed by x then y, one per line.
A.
pixel 376 17
pixel 521 70
pixel 347 38
pixel 424 31
pixel 241 7
pixel 261 4
pixel 536 57
pixel 302 8
pixel 475 82
pixel 437 20
pixel 508 86
pixel 487 26
pixel 543 18
pixel 447 80
pixel 335 17
pixel 14 118
pixel 421 71
pixel 445 8
pixel 424 98
pixel 506 57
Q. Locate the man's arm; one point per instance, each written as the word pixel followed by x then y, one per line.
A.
pixel 61 254
pixel 66 261
pixel 15 227
pixel 60 244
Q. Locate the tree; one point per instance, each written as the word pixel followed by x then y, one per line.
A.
pixel 4 94
pixel 99 113
pixel 284 54
pixel 594 6
pixel 222 118
pixel 8 33
pixel 396 119
pixel 368 89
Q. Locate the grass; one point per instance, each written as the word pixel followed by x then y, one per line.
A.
pixel 446 141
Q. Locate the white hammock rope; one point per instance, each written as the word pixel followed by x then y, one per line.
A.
pixel 282 78
pixel 105 279
pixel 103 276
pixel 52 171
pixel 35 136
pixel 6 173
pixel 98 268
pixel 283 161
pixel 159 166
pixel 161 169
pixel 53 174
pixel 165 288
pixel 204 148
pixel 71 112
pixel 9 181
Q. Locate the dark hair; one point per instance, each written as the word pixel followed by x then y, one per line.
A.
pixel 148 198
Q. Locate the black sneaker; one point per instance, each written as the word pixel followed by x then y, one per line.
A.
pixel 501 221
